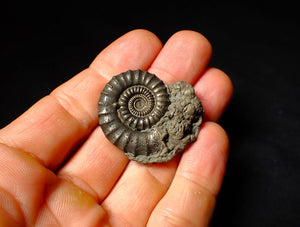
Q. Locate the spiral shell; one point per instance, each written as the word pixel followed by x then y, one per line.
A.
pixel 149 121
pixel 130 103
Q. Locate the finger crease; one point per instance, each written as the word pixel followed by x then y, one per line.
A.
pixel 100 73
pixel 16 205
pixel 51 213
pixel 166 186
pixel 174 218
pixel 68 103
pixel 201 186
pixel 82 184
pixel 164 75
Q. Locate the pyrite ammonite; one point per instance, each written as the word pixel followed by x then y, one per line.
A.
pixel 149 121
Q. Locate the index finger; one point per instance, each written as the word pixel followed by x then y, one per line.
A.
pixel 55 125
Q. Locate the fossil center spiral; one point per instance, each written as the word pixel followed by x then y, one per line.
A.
pixel 137 105
pixel 141 104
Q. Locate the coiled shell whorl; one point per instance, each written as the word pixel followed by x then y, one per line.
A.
pixel 149 121
pixel 131 101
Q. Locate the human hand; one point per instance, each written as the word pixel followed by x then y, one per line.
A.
pixel 57 167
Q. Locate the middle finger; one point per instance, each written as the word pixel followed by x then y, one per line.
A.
pixel 184 57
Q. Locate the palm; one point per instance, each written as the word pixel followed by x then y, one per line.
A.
pixel 56 167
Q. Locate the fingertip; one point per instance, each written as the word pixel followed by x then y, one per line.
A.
pixel 144 33
pixel 184 57
pixel 218 133
pixel 144 36
pixel 215 90
pixel 211 136
pixel 134 50
pixel 194 36
pixel 200 43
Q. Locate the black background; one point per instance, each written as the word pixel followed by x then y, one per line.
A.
pixel 256 43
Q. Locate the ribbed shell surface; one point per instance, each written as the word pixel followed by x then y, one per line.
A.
pixel 130 103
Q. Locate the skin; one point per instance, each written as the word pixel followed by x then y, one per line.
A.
pixel 56 166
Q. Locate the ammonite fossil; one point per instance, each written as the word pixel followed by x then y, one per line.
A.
pixel 149 121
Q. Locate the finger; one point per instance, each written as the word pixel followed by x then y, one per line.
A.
pixel 31 195
pixel 147 184
pixel 25 193
pixel 184 57
pixel 67 205
pixel 59 122
pixel 190 200
pixel 215 91
pixel 96 166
